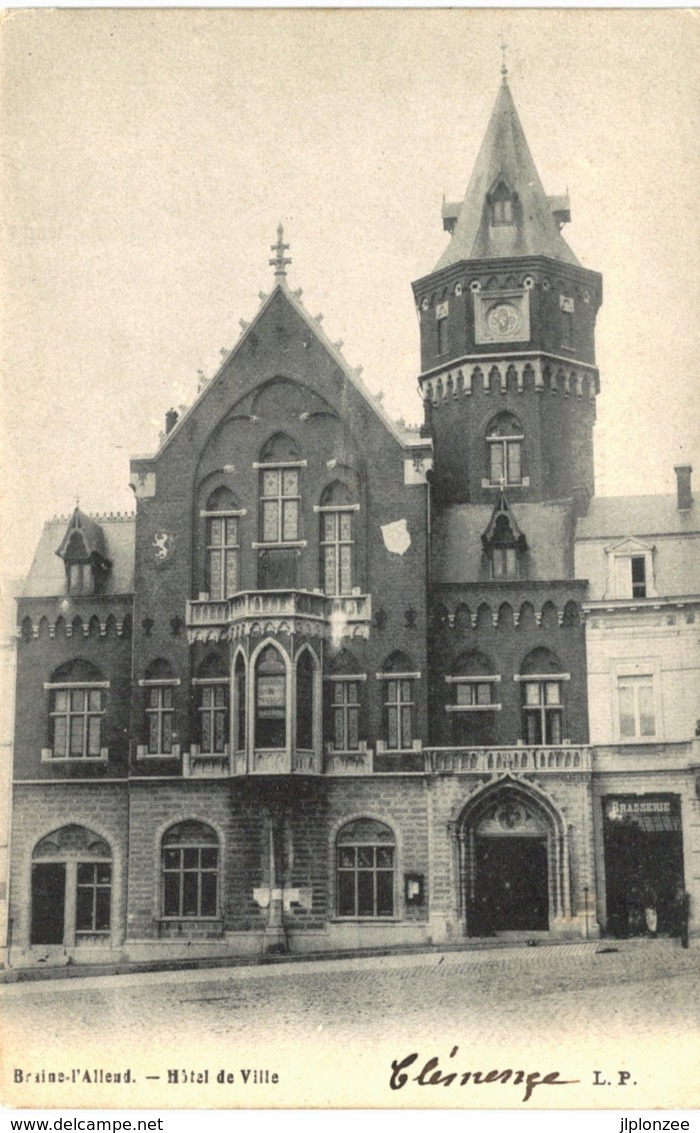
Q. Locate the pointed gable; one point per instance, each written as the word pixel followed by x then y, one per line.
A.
pixel 502 527
pixel 505 187
pixel 83 539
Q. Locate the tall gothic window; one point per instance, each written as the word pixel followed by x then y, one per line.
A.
pixel 280 513
pixel 222 518
pixel 212 683
pixel 337 514
pixel 159 684
pixel 399 702
pixel 504 438
pixel 305 701
pixel 270 699
pixel 542 684
pixel 239 720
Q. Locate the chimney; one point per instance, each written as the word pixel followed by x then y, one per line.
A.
pixel 171 420
pixel 685 495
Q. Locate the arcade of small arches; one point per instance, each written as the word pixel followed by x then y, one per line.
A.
pixel 463 618
pixel 518 377
pixel 88 625
pixel 505 283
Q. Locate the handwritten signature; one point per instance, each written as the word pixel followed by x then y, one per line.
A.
pixel 432 1074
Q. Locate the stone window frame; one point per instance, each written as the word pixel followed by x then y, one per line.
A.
pixel 637 667
pixel 172 821
pixel 398 903
pixel 52 687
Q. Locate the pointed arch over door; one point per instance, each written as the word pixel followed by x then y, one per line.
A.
pixel 514 866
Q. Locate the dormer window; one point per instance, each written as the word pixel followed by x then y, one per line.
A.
pixel 504 543
pixel 80 578
pixel 630 570
pixel 84 555
pixel 639 576
pixel 502 204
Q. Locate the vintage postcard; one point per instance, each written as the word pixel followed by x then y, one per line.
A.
pixel 350 559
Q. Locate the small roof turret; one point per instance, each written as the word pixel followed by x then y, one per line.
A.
pixel 505 211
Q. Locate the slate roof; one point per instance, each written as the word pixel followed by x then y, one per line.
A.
pixel 47 574
pixel 458 550
pixel 505 154
pixel 611 517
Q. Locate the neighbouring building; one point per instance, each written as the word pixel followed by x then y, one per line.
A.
pixel 340 684
pixel 641 556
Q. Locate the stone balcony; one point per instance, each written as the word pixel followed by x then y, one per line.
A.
pixel 262 613
pixel 428 761
pixel 514 760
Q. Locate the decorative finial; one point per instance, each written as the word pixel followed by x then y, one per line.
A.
pixel 280 261
pixel 504 69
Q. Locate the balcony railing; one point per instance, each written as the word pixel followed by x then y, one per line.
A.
pixel 261 612
pixel 515 760
pixel 431 761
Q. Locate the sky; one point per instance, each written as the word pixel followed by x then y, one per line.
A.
pixel 148 156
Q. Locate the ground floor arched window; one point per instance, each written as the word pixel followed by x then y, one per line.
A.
pixel 365 865
pixel 71 895
pixel 190 871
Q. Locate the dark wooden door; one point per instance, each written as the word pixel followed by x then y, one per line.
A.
pixel 512 884
pixel 48 902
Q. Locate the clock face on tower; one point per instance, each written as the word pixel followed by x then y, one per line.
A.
pixel 502 317
pixel 503 320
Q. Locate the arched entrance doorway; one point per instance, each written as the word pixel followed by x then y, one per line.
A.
pixel 514 860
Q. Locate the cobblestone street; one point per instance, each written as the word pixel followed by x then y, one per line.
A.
pixel 585 999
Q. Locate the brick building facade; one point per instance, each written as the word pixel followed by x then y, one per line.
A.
pixel 328 686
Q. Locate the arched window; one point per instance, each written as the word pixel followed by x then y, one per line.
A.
pixel 542 698
pixel 346 685
pixel 474 702
pixel 280 519
pixel 212 683
pixel 80 571
pixel 305 701
pixel 270 700
pixel 77 705
pixel 337 510
pixel 365 865
pixel 399 702
pixel 280 464
pixel 504 438
pixel 239 721
pixel 222 544
pixel 504 550
pixel 159 683
pixel 190 871
pixel 71 887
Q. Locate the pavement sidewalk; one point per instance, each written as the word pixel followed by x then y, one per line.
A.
pixel 71 970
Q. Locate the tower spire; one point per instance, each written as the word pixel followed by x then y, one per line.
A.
pixel 505 166
pixel 279 263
